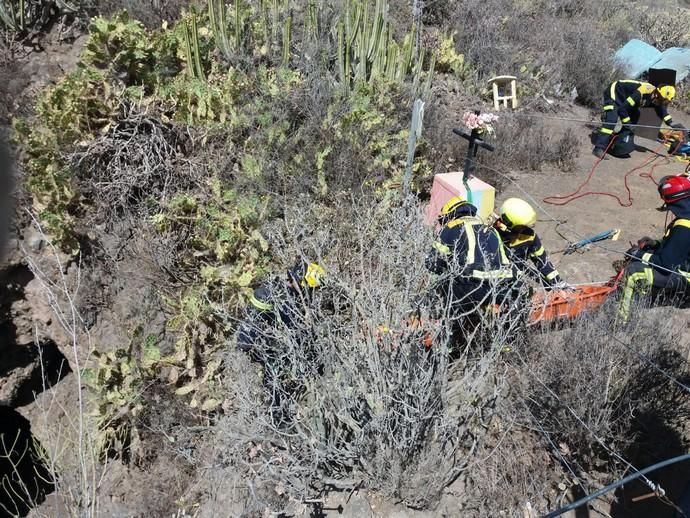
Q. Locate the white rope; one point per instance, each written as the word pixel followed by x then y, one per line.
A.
pixel 570 119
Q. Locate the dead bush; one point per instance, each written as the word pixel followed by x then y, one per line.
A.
pixel 582 405
pixel 527 143
pixel 664 29
pixel 133 167
pixel 516 468
pixel 586 385
pixel 351 396
pixel 567 50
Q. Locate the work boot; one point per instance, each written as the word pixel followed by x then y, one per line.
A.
pixel 600 153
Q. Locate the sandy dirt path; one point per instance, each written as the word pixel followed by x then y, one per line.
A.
pixel 596 213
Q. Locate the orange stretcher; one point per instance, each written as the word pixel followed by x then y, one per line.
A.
pixel 546 307
pixel 551 306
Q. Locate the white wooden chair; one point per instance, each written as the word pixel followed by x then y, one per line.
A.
pixel 504 89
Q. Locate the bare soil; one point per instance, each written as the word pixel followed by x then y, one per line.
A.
pixel 594 213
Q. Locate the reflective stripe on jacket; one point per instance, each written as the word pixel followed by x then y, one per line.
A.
pixel 628 94
pixel 526 246
pixel 473 248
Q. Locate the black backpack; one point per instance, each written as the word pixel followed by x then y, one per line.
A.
pixel 623 143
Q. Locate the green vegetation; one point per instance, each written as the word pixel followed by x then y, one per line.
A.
pixel 234 80
pixel 116 383
pixel 215 149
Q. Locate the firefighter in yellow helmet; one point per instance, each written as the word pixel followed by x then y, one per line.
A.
pixel 515 225
pixel 278 302
pixel 471 255
pixel 623 100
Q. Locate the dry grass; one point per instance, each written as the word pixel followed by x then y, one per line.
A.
pixel 569 50
pixel 581 411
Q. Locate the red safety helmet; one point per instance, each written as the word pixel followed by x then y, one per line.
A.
pixel 674 188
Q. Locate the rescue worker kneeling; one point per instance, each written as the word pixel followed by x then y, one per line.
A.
pixel 471 257
pixel 661 268
pixel 516 228
pixel 275 332
pixel 277 303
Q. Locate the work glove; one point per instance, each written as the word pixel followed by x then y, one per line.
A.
pixel 647 243
pixel 634 252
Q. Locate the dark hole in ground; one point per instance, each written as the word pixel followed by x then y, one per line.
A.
pixel 657 442
pixel 51 367
pixel 658 438
pixel 44 362
pixel 13 280
pixel 25 479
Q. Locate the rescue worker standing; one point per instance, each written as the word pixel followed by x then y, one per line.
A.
pixel 277 300
pixel 516 228
pixel 623 99
pixel 662 268
pixel 473 257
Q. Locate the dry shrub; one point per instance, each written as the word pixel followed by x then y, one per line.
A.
pixel 521 143
pixel 350 394
pixel 586 387
pixel 570 48
pixel 133 167
pixel 664 29
pixel 527 143
pixel 581 406
pixel 515 467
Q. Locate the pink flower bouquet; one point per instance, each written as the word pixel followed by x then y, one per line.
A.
pixel 480 122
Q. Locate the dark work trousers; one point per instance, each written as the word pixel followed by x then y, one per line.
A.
pixel 610 115
pixel 663 287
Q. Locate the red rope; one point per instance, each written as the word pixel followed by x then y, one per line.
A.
pixel 567 198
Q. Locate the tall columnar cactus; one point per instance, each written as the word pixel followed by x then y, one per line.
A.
pixel 219 25
pixel 287 36
pixel 12 16
pixel 265 23
pixel 239 25
pixel 312 23
pixel 367 49
pixel 227 41
pixel 21 16
pixel 191 39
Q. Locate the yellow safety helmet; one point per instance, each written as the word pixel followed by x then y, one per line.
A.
pixel 667 92
pixel 517 213
pixel 314 276
pixel 307 275
pixel 450 207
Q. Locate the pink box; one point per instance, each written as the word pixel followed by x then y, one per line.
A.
pixel 447 185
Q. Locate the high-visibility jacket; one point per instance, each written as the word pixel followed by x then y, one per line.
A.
pixel 272 302
pixel 664 267
pixel 526 246
pixel 470 250
pixel 673 252
pixel 628 95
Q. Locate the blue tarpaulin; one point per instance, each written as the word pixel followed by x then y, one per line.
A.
pixel 677 59
pixel 636 57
